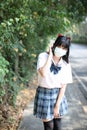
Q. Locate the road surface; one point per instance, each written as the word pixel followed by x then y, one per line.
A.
pixel 78 58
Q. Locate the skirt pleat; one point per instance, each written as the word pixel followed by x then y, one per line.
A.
pixel 44 103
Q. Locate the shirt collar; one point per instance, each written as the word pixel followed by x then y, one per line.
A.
pixel 60 62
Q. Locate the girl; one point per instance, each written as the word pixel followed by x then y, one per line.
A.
pixel 54 73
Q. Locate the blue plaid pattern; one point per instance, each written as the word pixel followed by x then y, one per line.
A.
pixel 45 100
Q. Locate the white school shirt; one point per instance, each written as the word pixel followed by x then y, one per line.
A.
pixel 51 80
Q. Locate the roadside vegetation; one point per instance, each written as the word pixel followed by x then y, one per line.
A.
pixel 80 33
pixel 26 27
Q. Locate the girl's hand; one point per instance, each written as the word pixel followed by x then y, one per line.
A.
pixel 56 112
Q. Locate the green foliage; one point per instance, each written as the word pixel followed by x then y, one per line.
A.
pixel 3 72
pixel 77 10
pixel 8 86
pixel 3 68
pixel 80 33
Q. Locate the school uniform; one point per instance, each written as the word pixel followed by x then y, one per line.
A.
pixel 49 87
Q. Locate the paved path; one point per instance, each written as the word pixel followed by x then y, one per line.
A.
pixel 76 119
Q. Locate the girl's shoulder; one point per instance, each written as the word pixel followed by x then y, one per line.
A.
pixel 65 64
pixel 43 54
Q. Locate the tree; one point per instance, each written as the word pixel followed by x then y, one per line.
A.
pixel 77 10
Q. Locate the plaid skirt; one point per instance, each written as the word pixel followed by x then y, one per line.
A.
pixel 44 102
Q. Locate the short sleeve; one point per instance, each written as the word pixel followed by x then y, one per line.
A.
pixel 41 60
pixel 66 75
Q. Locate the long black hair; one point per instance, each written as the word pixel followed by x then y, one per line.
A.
pixel 65 43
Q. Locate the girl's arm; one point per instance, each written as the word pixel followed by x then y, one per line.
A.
pixel 60 96
pixel 43 70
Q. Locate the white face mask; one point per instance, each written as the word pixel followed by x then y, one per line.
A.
pixel 59 52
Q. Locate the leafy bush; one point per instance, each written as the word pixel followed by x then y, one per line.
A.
pixel 8 83
pixel 3 72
